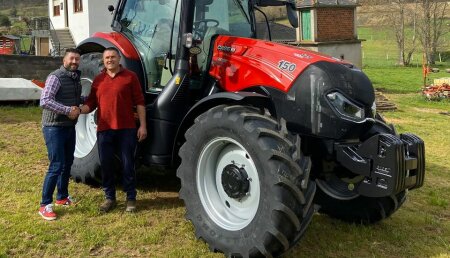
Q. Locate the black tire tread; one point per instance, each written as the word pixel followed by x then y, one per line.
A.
pixel 361 210
pixel 82 170
pixel 260 125
pixel 289 214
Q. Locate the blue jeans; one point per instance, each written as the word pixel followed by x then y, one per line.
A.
pixel 122 143
pixel 60 142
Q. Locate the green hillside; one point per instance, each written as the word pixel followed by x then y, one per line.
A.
pixel 24 8
pixel 10 3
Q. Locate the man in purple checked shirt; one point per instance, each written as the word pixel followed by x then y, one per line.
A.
pixel 60 100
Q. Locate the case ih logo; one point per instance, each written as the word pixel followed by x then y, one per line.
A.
pixel 226 49
pixel 303 56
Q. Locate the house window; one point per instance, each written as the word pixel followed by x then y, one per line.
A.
pixel 7 44
pixel 306 25
pixel 1 43
pixel 56 8
pixel 78 5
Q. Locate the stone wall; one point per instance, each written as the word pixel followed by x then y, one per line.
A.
pixel 28 67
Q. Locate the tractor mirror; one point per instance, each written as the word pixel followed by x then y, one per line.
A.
pixel 292 15
pixel 110 8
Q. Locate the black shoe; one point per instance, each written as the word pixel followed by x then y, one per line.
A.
pixel 131 206
pixel 107 205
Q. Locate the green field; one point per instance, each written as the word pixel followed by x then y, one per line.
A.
pixel 421 228
pixel 380 59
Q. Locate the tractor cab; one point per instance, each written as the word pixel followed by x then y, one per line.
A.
pixel 153 27
pixel 149 26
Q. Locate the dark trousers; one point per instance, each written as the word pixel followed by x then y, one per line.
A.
pixel 60 142
pixel 122 143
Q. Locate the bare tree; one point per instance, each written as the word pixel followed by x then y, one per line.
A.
pixel 432 27
pixel 404 14
pixel 400 17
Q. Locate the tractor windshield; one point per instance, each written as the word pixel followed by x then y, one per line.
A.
pixel 148 24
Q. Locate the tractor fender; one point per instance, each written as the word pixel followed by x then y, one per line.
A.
pixel 130 57
pixel 243 98
pixel 101 40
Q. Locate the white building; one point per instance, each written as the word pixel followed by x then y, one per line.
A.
pixel 72 21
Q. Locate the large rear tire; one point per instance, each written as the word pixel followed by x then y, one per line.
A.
pixel 245 183
pixel 86 164
pixel 336 199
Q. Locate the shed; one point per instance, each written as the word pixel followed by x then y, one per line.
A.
pixel 329 26
pixel 9 45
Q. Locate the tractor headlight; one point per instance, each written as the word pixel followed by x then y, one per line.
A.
pixel 345 107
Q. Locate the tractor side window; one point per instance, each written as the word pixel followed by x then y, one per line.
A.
pixel 148 25
pixel 225 17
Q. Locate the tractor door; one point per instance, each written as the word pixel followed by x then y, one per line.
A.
pixel 211 18
pixel 148 25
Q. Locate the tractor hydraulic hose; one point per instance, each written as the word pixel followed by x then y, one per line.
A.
pixel 267 22
pixel 169 54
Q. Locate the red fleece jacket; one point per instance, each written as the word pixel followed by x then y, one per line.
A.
pixel 115 99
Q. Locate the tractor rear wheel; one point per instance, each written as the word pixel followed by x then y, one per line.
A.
pixel 336 200
pixel 245 182
pixel 86 165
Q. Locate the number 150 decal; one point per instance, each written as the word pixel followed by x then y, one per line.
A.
pixel 287 66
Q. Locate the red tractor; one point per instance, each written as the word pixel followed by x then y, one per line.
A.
pixel 261 133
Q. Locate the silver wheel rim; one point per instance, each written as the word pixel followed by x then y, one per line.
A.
pixel 228 213
pixel 86 127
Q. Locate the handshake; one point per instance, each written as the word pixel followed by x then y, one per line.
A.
pixel 74 112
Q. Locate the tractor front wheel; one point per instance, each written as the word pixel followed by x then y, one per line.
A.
pixel 245 182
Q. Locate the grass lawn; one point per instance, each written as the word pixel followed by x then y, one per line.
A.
pixel 380 58
pixel 421 228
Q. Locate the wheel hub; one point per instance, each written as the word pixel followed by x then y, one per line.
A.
pixel 229 193
pixel 235 181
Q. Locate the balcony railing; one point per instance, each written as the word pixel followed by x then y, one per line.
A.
pixel 43 25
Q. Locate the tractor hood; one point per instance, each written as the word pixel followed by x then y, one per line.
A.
pixel 316 94
pixel 240 63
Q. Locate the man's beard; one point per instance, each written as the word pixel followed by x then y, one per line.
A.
pixel 72 67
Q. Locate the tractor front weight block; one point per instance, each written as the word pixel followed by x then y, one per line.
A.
pixel 389 164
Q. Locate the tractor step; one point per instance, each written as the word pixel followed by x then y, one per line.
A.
pixel 389 164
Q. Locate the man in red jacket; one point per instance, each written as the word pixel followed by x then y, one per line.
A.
pixel 115 92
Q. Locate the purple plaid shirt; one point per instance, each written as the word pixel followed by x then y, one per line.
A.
pixel 48 101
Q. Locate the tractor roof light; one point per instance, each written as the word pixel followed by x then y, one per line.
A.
pixel 345 107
